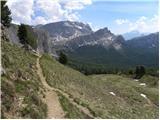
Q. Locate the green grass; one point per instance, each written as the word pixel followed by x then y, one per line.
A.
pixel 151 81
pixel 71 111
pixel 21 87
pixel 93 92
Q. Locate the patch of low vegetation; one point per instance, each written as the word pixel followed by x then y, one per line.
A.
pixel 21 87
pixel 94 92
pixel 152 81
pixel 70 110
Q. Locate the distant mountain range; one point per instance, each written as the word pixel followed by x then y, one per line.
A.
pixel 133 34
pixel 120 54
pixel 100 48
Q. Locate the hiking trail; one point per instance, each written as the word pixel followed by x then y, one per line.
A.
pixel 54 107
pixel 51 98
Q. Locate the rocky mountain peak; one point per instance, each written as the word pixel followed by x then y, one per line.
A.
pixel 104 31
pixel 119 39
pixel 66 30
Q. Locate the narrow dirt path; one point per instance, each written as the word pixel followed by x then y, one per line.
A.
pixel 51 98
pixel 43 80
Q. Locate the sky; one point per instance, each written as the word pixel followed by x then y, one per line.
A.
pixel 120 16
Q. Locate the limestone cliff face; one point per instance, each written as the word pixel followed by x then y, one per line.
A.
pixel 43 38
pixel 11 34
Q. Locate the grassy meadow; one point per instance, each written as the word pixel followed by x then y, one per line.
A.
pixel 94 91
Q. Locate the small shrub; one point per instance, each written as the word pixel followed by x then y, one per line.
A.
pixel 63 58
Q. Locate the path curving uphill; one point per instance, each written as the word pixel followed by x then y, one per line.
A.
pixel 51 98
pixel 54 107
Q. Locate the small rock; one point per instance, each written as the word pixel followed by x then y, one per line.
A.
pixel 143 95
pixel 142 84
pixel 112 93
pixel 136 80
pixel 3 72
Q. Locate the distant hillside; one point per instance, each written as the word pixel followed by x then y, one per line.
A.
pixel 133 34
pixel 138 51
pixel 149 42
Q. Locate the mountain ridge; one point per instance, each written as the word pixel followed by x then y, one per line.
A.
pixel 103 39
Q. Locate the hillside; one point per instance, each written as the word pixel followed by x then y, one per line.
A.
pixel 22 90
pixel 24 94
pixel 93 92
pixel 133 34
pixel 138 51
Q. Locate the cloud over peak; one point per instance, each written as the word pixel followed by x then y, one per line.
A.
pixel 45 11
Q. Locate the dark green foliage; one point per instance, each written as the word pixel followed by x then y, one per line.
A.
pixel 5 14
pixel 130 72
pixel 27 36
pixel 89 69
pixel 22 34
pixel 31 37
pixel 63 58
pixel 152 72
pixel 139 72
pixel 134 52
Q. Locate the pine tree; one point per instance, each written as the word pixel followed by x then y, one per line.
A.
pixel 140 71
pixel 5 14
pixel 22 34
pixel 63 58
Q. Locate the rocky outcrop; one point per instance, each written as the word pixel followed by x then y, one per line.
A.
pixel 66 30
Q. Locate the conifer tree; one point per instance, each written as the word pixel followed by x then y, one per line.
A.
pixel 63 58
pixel 5 14
pixel 22 34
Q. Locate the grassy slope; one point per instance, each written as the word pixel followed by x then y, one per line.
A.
pixel 71 111
pixel 21 88
pixel 93 92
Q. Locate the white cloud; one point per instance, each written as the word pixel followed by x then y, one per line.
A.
pixel 39 20
pixel 76 4
pixel 121 21
pixel 25 11
pixel 142 24
pixel 21 10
